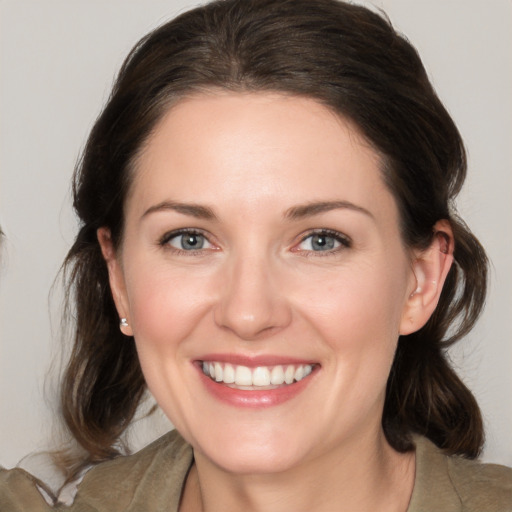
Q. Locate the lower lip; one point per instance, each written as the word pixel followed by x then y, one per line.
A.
pixel 254 399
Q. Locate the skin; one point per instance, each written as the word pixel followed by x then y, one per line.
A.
pixel 259 287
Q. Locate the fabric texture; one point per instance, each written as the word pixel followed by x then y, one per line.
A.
pixel 152 480
pixel 455 484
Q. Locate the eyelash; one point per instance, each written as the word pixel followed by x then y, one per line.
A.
pixel 164 241
pixel 344 241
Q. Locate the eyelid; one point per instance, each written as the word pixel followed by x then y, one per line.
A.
pixel 163 241
pixel 344 240
pixel 181 231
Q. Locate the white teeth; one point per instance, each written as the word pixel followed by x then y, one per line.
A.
pixel 243 376
pixel 260 376
pixel 229 374
pixel 218 372
pixel 289 374
pixel 277 376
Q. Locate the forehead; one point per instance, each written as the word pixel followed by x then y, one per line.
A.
pixel 264 147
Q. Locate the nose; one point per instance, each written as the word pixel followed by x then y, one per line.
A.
pixel 252 304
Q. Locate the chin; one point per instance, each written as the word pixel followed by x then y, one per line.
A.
pixel 254 462
pixel 251 454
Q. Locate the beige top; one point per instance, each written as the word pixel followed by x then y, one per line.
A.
pixel 152 479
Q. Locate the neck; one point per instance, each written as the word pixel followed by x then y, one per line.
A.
pixel 363 477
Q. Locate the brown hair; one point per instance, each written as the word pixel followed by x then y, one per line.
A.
pixel 350 59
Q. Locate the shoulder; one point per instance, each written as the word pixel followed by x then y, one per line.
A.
pixel 20 491
pixel 149 480
pixel 455 484
pixel 481 486
pixel 142 481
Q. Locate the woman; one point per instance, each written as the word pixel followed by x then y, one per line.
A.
pixel 269 243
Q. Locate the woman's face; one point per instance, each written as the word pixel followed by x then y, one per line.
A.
pixel 262 245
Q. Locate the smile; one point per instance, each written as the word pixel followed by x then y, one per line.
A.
pixel 259 377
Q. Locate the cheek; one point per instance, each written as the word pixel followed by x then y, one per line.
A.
pixel 360 300
pixel 357 314
pixel 165 307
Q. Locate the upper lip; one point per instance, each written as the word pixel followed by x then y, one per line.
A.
pixel 253 361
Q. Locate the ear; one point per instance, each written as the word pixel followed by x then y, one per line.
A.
pixel 430 268
pixel 116 277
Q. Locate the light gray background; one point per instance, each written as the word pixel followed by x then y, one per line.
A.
pixel 57 62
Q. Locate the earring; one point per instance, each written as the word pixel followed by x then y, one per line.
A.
pixel 123 323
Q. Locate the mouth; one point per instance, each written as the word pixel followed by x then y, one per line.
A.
pixel 256 378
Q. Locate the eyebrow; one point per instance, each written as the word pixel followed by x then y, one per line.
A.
pixel 193 210
pixel 310 209
pixel 293 213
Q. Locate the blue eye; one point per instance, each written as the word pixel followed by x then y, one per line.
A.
pixel 323 241
pixel 188 241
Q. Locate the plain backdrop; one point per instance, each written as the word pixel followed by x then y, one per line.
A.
pixel 57 62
